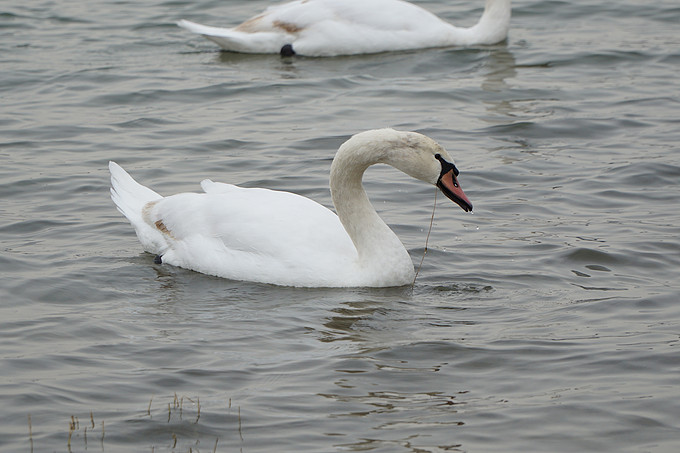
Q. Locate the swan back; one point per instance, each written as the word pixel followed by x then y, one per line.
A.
pixel 348 27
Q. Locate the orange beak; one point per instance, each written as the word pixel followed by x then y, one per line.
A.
pixel 448 184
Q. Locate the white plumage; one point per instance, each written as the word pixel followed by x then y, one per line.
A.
pixel 347 27
pixel 282 238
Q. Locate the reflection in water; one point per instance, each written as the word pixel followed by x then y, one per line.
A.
pixel 343 326
pixel 407 403
pixel 500 66
pixel 170 291
pixel 260 64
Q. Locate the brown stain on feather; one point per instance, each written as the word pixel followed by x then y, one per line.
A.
pixel 147 215
pixel 251 25
pixel 287 27
pixel 162 228
pixel 256 24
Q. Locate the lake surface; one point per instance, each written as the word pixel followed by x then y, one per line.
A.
pixel 547 321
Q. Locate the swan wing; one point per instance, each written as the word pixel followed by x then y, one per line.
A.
pixel 210 186
pixel 253 234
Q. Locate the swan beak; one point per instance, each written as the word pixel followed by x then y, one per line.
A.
pixel 448 184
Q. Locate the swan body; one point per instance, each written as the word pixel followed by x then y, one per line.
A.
pixel 347 27
pixel 281 238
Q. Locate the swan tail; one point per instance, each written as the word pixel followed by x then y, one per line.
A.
pixel 200 29
pixel 237 41
pixel 131 198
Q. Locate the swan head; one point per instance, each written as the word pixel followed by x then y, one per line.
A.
pixel 415 154
pixel 448 184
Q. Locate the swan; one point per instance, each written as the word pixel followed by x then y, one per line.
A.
pixel 348 27
pixel 281 238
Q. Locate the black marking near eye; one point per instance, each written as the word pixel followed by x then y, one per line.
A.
pixel 446 166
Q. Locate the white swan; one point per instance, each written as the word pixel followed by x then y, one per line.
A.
pixel 348 27
pixel 286 239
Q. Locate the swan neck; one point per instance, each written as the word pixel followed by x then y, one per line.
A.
pixel 373 239
pixel 491 28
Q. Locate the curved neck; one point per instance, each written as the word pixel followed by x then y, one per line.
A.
pixel 375 242
pixel 491 28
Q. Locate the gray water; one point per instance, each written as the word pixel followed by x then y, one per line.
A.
pixel 547 321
